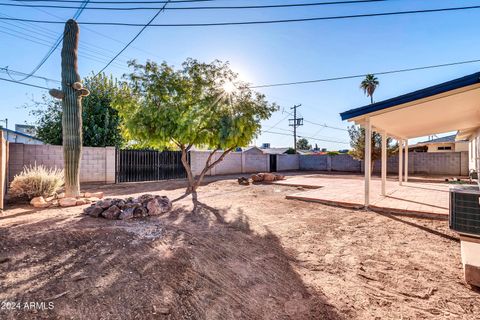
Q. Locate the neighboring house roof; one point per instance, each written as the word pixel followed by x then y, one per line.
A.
pixel 412 96
pixel 275 150
pixel 447 139
pixel 20 134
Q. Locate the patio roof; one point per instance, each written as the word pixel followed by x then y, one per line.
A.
pixel 449 106
pixel 445 107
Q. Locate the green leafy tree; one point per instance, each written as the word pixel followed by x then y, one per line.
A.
pixel 101 122
pixel 302 144
pixel 357 142
pixel 200 104
pixel 369 85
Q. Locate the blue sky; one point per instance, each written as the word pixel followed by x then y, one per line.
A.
pixel 263 54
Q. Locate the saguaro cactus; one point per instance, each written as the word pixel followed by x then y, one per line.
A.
pixel 71 95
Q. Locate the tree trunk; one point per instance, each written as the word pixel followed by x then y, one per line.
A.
pixel 188 169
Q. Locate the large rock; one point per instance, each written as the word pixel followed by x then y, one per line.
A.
pixel 111 213
pixel 67 202
pixel 144 199
pixel 93 211
pixel 104 204
pixel 140 212
pixel 268 177
pixel 127 213
pixel 256 178
pixel 159 205
pixel 39 202
pixel 98 195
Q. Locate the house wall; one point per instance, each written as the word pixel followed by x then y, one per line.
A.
pixel 438 163
pixel 474 151
pixel 97 164
pixel 288 162
pixel 432 148
pixel 16 138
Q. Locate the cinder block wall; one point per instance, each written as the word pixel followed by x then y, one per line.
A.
pixel 438 163
pixel 97 164
pixel 288 162
pixel 234 162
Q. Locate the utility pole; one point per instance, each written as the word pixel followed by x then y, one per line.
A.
pixel 295 122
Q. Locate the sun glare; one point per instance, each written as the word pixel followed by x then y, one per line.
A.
pixel 228 87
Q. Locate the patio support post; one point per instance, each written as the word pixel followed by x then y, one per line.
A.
pixel 406 160
pixel 400 161
pixel 384 163
pixel 368 160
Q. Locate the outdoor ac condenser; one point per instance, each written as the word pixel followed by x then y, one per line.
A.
pixel 465 210
pixel 465 219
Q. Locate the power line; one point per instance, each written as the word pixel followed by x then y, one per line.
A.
pixel 134 38
pixel 324 140
pixel 27 37
pixel 216 24
pixel 363 75
pixel 23 83
pixel 271 6
pixel 8 70
pixel 55 45
pixel 116 2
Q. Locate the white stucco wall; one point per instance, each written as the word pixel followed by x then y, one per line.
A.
pixel 474 151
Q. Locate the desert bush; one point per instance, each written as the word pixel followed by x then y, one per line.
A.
pixel 35 181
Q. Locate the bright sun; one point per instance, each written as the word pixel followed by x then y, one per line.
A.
pixel 228 87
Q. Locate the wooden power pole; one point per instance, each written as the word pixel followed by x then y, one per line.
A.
pixel 295 122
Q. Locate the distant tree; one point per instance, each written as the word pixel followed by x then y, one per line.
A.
pixel 302 144
pixel 369 85
pixel 357 142
pixel 201 104
pixel 290 151
pixel 101 122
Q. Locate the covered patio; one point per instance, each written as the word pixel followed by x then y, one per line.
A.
pixel 420 198
pixel 446 107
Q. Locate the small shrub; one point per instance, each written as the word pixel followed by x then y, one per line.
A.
pixel 35 181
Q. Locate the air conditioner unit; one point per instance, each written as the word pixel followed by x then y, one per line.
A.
pixel 465 219
pixel 465 210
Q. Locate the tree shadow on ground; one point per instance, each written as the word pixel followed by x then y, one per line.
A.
pixel 183 265
pixel 419 226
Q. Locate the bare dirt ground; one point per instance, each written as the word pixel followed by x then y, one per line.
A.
pixel 248 254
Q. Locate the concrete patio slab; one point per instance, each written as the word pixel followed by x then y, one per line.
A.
pixel 417 198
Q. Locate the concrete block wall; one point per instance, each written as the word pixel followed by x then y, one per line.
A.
pixel 314 162
pixel 438 163
pixel 344 163
pixel 97 164
pixel 288 162
pixel 234 162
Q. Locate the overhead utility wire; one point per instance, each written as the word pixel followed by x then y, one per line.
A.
pixel 23 83
pixel 134 38
pixel 54 46
pixel 324 140
pixel 363 75
pixel 268 6
pixel 356 76
pixel 213 24
pixel 116 2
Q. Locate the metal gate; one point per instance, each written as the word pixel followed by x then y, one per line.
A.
pixel 149 165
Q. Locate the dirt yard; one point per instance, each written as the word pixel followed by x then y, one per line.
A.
pixel 249 254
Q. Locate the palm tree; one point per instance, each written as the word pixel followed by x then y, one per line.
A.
pixel 368 85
